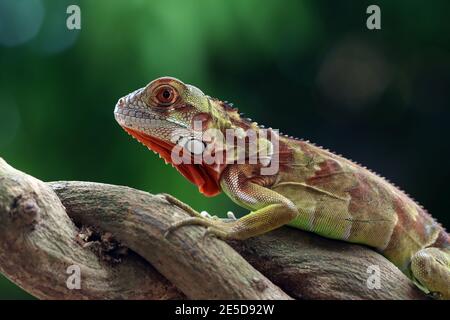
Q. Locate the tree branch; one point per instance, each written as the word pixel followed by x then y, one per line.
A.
pixel 38 241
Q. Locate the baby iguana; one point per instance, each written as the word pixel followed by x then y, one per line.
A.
pixel 311 188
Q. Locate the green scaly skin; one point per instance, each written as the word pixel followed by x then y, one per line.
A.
pixel 313 190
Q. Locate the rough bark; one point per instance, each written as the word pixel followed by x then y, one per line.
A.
pixel 38 241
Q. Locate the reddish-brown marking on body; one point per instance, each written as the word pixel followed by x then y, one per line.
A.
pixel 442 241
pixel 227 107
pixel 265 181
pixel 203 118
pixel 360 195
pixel 398 236
pixel 285 154
pixel 241 123
pixel 420 226
pixel 403 216
pixel 328 168
pixel 307 149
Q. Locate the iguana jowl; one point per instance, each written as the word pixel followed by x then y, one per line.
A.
pixel 313 189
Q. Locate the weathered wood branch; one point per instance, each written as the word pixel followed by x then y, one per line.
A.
pixel 38 241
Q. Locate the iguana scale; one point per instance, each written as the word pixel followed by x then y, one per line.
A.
pixel 313 189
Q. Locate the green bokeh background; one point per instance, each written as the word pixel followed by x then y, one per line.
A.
pixel 310 68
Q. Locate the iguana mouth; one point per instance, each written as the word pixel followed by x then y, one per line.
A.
pixel 206 177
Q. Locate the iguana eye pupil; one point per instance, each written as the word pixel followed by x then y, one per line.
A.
pixel 166 94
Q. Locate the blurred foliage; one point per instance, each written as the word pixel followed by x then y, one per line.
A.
pixel 310 68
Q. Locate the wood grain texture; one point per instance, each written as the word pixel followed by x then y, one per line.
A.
pixel 38 244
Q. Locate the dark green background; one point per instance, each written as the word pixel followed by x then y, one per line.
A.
pixel 310 68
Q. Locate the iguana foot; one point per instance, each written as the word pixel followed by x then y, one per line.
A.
pixel 215 226
pixel 230 216
pixel 189 210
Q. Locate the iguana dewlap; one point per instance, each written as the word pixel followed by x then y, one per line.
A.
pixel 312 188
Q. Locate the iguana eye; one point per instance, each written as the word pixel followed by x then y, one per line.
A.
pixel 165 95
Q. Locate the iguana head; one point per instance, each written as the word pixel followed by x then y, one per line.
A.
pixel 167 113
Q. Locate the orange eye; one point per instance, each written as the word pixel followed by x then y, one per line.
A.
pixel 166 95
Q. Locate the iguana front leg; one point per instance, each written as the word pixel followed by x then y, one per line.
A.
pixel 270 209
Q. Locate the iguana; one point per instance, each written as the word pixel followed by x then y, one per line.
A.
pixel 312 189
